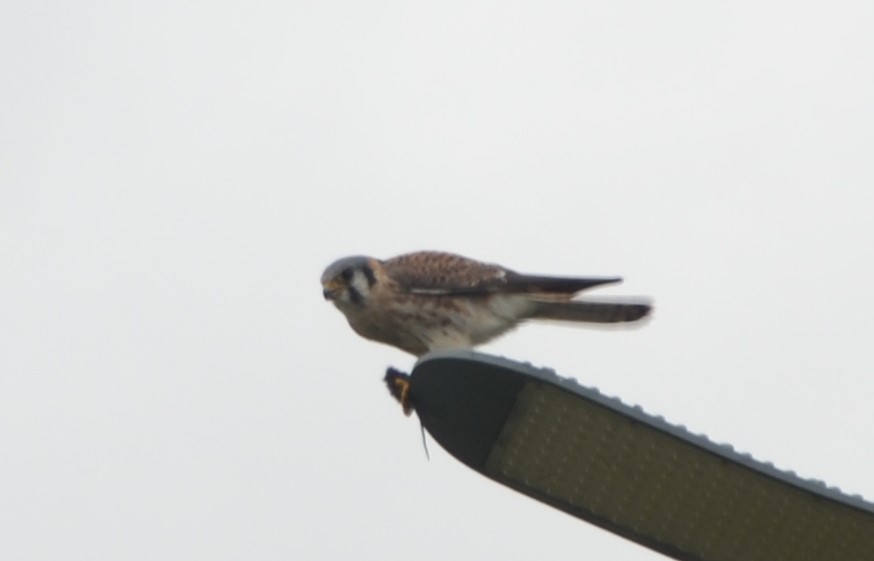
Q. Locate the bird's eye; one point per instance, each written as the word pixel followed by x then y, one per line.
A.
pixel 346 274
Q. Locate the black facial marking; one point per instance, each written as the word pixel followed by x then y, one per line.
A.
pixel 368 273
pixel 346 274
pixel 354 295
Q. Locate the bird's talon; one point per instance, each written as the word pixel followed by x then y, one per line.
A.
pixel 399 387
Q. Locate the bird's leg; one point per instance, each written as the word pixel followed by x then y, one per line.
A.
pixel 399 387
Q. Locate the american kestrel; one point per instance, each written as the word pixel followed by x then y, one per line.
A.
pixel 428 300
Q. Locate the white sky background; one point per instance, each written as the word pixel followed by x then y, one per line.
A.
pixel 175 176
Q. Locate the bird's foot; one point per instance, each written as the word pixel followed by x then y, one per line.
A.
pixel 399 387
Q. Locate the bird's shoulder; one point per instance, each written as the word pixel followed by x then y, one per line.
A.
pixel 437 272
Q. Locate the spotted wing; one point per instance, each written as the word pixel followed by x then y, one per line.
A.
pixel 438 273
pixel 447 274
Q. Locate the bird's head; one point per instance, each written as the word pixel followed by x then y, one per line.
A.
pixel 348 281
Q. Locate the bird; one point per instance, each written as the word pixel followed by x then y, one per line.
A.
pixel 432 300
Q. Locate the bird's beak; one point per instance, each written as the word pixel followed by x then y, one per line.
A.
pixel 331 289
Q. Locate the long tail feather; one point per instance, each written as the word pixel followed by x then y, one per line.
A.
pixel 595 312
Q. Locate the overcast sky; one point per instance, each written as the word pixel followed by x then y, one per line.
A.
pixel 174 176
